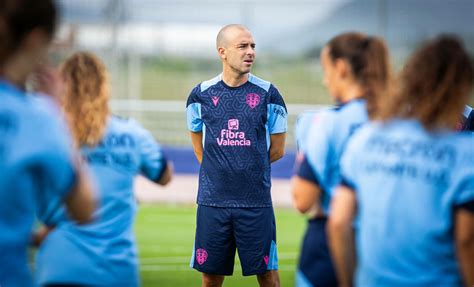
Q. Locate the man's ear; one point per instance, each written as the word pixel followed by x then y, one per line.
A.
pixel 221 51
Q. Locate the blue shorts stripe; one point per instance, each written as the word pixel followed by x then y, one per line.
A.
pixel 191 263
pixel 273 260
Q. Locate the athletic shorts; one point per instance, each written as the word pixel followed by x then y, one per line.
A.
pixel 220 231
pixel 315 266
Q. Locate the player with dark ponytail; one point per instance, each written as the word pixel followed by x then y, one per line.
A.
pixel 356 74
pixel 409 180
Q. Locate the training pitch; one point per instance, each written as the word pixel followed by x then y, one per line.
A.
pixel 165 236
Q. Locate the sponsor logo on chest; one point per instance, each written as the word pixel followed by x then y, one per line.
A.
pixel 232 136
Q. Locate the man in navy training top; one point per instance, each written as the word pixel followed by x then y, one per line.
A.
pixel 238 124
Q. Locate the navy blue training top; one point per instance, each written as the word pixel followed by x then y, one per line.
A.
pixel 236 123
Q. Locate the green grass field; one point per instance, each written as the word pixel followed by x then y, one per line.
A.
pixel 165 236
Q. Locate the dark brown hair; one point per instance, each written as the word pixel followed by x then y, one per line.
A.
pixel 20 17
pixel 434 85
pixel 369 62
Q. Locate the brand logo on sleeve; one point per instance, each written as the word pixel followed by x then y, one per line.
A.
pixel 279 111
pixel 252 100
pixel 215 100
pixel 232 136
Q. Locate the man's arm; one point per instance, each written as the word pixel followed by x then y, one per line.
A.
pixel 340 234
pixel 196 139
pixel 464 236
pixel 277 146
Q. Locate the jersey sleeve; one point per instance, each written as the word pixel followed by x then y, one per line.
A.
pixel 317 150
pixel 153 162
pixel 465 196
pixel 277 115
pixel 193 111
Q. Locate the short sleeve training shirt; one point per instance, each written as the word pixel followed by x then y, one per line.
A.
pixel 236 123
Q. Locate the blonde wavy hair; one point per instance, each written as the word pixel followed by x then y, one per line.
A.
pixel 86 96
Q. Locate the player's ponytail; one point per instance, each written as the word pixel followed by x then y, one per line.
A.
pixel 19 17
pixel 434 85
pixel 86 97
pixel 375 76
pixel 369 62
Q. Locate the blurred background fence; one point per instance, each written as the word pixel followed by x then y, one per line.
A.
pixel 158 50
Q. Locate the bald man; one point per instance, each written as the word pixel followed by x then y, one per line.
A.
pixel 237 124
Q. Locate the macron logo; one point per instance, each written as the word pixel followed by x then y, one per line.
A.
pixel 215 100
pixel 231 136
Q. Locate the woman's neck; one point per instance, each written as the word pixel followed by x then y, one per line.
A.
pixel 351 92
pixel 12 72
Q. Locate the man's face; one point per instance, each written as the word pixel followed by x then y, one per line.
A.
pixel 239 53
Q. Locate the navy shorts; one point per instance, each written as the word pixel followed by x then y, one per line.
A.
pixel 315 266
pixel 220 231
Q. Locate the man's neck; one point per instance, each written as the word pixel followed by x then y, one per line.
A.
pixel 233 79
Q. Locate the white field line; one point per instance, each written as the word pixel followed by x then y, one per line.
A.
pixel 184 249
pixel 185 259
pixel 160 268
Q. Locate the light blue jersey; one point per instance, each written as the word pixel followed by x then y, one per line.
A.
pixel 104 252
pixel 302 128
pixel 328 136
pixel 408 184
pixel 35 163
